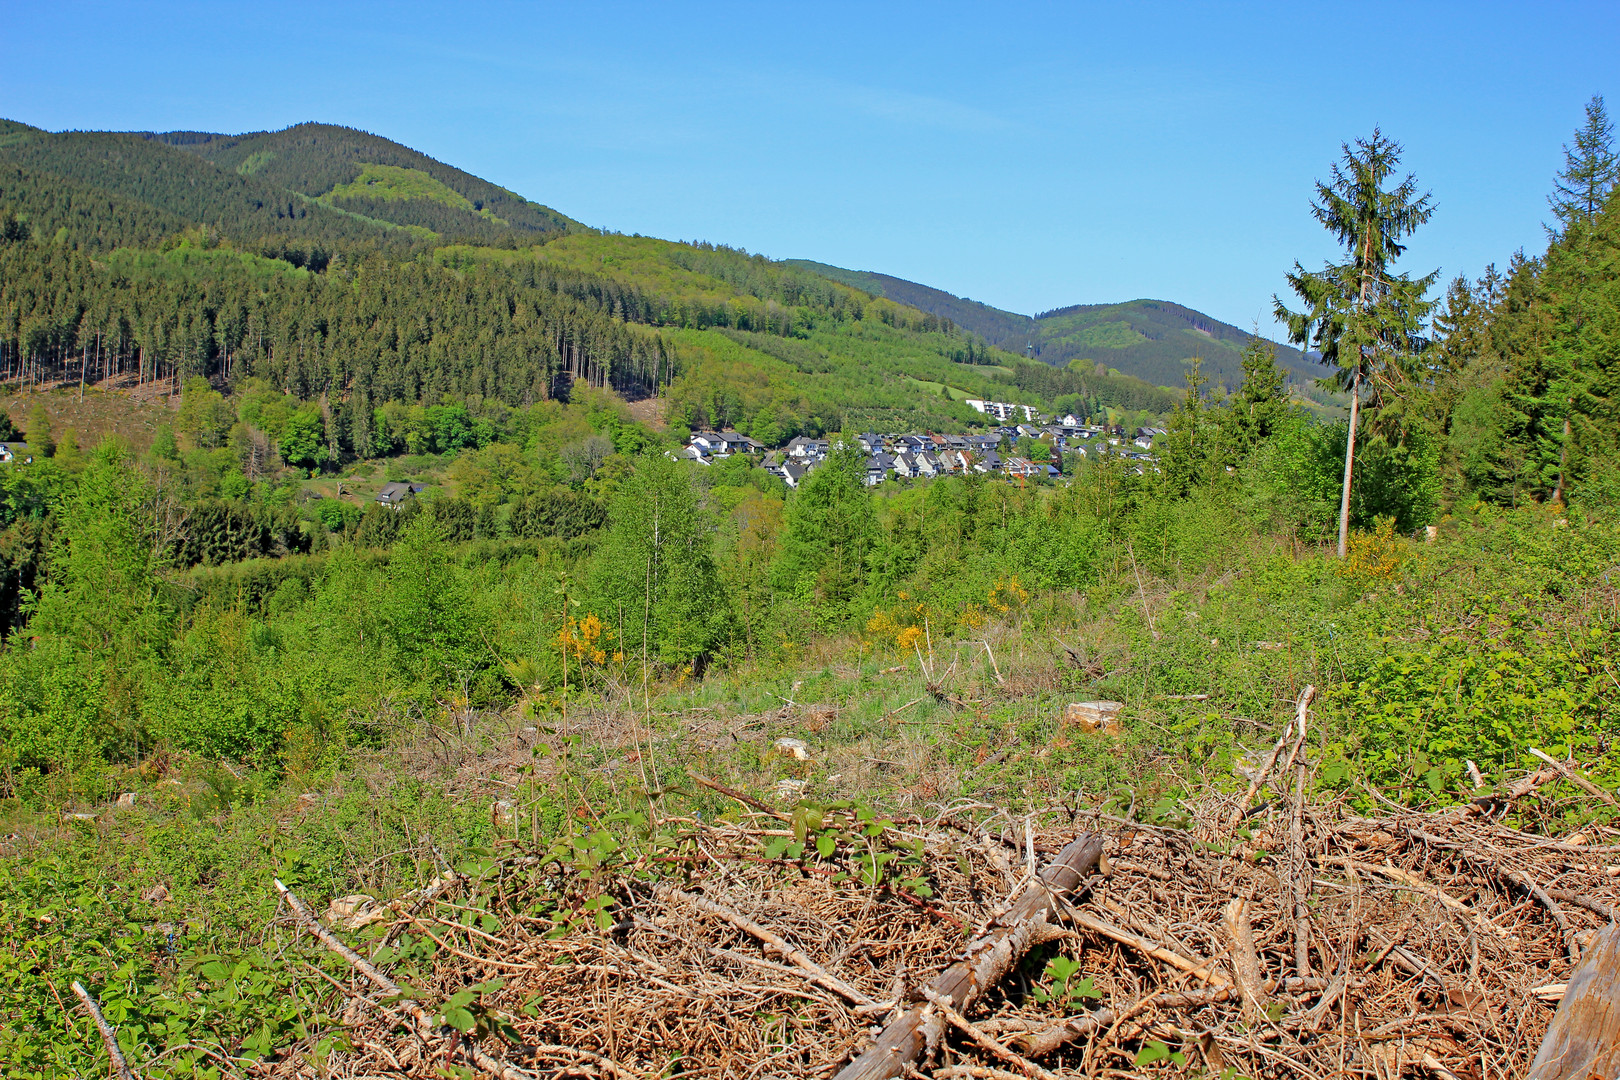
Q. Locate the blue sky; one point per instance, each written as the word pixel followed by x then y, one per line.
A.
pixel 1030 156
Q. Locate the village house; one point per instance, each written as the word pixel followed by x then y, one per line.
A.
pixel 877 468
pixel 801 447
pixel 1022 467
pixel 735 443
pixel 396 494
pixel 709 440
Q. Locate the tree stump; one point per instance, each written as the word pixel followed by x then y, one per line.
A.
pixel 1583 1042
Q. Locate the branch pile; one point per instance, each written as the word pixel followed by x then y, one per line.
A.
pixel 1296 940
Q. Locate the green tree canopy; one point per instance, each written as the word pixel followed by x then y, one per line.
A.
pixel 829 530
pixel 1590 171
pixel 1367 321
pixel 655 573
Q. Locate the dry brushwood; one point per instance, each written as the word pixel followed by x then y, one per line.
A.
pixel 987 960
pixel 1436 943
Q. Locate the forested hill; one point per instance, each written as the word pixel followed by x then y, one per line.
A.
pixel 345 269
pixel 1150 339
pixel 1004 329
pixel 1153 340
pixel 350 272
pixel 115 172
pixel 377 178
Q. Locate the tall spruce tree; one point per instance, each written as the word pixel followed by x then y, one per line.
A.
pixel 1591 170
pixel 1576 274
pixel 1366 320
pixel 830 525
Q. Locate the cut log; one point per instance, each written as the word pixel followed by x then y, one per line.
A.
pixel 1583 1041
pixel 989 958
pixel 1245 961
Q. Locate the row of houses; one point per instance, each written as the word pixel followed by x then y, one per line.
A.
pixel 882 465
pixel 913 456
pixel 707 447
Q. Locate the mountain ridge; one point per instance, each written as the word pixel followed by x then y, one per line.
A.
pixel 1147 338
pixel 302 191
pixel 314 159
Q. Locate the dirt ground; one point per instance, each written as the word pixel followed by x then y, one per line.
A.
pixel 115 406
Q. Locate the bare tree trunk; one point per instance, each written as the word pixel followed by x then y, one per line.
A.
pixel 1563 458
pixel 1349 464
pixel 1584 1036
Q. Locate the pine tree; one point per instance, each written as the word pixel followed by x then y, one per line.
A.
pixel 1366 320
pixel 1591 169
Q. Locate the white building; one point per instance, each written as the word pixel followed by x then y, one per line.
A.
pixel 1003 410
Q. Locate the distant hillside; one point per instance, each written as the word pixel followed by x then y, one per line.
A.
pixel 378 178
pixel 1003 329
pixel 1150 339
pixel 159 184
pixel 344 268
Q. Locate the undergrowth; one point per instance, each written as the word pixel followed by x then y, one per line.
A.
pixel 1498 637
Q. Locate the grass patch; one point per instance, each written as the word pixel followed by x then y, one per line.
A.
pixel 391 183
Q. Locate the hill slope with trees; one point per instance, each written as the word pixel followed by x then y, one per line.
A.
pixel 1152 340
pixel 403 186
pixel 171 257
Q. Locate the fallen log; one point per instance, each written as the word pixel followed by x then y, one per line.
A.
pixel 988 959
pixel 109 1038
pixel 1583 1040
pixel 1245 961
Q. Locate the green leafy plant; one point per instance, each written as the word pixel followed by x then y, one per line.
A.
pixel 468 1012
pixel 1061 987
pixel 1158 1051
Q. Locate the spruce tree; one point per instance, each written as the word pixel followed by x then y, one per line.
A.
pixel 829 529
pixel 1591 169
pixel 41 440
pixel 1261 403
pixel 1366 320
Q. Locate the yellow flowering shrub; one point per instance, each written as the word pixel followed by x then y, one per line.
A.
pixel 1007 594
pixel 586 640
pixel 1374 556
